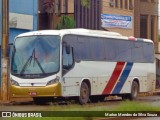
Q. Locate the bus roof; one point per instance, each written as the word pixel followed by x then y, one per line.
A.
pixel 81 31
pixel 70 31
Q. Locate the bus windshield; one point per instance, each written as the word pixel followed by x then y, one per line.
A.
pixel 36 56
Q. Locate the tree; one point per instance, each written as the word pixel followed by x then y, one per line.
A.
pixel 66 22
pixel 49 5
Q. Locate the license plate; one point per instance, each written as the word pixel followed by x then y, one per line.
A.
pixel 32 93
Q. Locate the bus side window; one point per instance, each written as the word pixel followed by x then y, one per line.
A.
pixel 67 57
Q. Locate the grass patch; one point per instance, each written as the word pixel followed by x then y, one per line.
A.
pixel 123 106
pixel 126 106
pixel 136 106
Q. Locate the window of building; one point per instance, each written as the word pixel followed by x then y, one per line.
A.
pixel 121 3
pixel 111 3
pixel 64 6
pixel 144 0
pixel 57 7
pixel 130 5
pixel 144 26
pixel 116 3
pixel 153 28
pixel 126 4
pixel 153 1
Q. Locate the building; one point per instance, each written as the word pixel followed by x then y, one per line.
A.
pixel 137 18
pixel 51 11
pixel 88 17
pixel 22 17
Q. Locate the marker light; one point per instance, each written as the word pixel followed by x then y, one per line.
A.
pixel 56 80
pixel 13 82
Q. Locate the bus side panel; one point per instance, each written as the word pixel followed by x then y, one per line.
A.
pixel 145 74
pixel 98 73
pixel 98 85
pixel 70 86
pixel 108 77
pixel 151 81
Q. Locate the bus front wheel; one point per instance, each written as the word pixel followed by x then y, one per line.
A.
pixel 84 93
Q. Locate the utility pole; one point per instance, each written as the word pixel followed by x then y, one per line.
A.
pixel 5 59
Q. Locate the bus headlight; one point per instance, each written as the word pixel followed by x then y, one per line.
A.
pixel 13 82
pixel 56 80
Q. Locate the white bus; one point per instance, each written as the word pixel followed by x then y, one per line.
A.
pixel 80 63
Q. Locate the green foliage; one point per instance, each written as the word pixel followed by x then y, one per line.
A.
pixel 159 38
pixel 123 106
pixel 85 3
pixel 66 22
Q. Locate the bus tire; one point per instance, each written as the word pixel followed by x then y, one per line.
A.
pixel 84 93
pixel 134 91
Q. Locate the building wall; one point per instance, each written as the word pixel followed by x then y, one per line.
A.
pixel 88 17
pixel 136 9
pixel 23 7
pixel 50 12
pixel 26 7
pixel 150 9
pixel 109 7
pixel 66 7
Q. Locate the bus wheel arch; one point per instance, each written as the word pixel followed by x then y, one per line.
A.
pixel 85 90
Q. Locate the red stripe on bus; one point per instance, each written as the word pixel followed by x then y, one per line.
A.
pixel 113 79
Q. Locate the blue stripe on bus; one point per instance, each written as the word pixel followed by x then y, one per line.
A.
pixel 123 78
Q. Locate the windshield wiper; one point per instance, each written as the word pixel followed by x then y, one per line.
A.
pixel 30 60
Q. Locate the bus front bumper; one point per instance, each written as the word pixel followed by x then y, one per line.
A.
pixel 45 91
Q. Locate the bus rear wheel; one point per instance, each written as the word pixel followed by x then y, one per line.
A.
pixel 84 93
pixel 134 91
